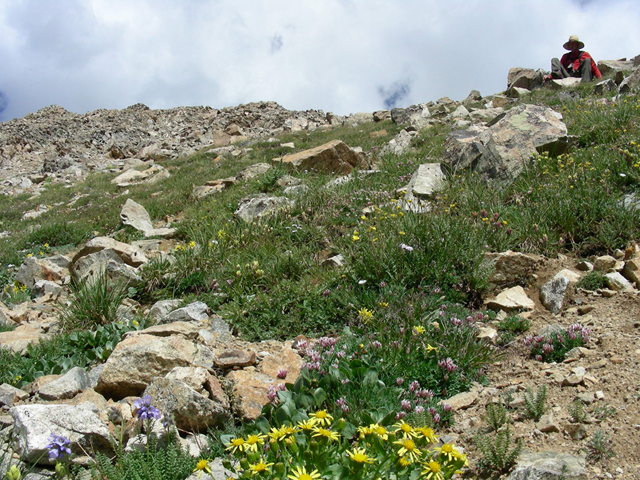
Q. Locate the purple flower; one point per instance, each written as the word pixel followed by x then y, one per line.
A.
pixel 326 293
pixel 58 447
pixel 419 409
pixel 272 395
pixel 424 393
pixel 376 344
pixel 281 387
pixel 448 365
pixel 399 381
pixel 400 415
pixel 446 407
pixel 282 373
pixel 413 386
pixel 144 410
pixel 436 418
pixel 406 405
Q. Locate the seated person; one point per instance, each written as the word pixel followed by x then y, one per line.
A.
pixel 576 63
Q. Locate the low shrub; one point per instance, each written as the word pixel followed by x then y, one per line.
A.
pixel 553 347
pixel 592 281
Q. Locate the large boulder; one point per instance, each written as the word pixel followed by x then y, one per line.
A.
pixel 67 386
pixel 34 269
pixel 91 267
pixel 631 84
pixel 137 216
pixel 504 149
pixel 400 144
pixel 527 78
pixel 18 340
pixel 549 466
pixel 80 424
pixel 130 255
pixel 513 268
pixel 191 411
pixel 332 157
pixel 606 66
pixel 139 359
pixel 418 116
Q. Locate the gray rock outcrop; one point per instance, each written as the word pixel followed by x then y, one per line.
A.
pixel 80 424
pixel 504 149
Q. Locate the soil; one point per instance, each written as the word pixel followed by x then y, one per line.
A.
pixel 612 363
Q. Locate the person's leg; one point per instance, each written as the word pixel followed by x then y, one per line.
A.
pixel 585 70
pixel 557 70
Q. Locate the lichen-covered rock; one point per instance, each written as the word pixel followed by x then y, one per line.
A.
pixel 504 149
pixel 80 424
pixel 191 411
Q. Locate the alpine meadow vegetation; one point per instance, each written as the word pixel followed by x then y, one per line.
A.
pixel 395 330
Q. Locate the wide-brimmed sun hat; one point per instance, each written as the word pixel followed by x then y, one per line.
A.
pixel 573 38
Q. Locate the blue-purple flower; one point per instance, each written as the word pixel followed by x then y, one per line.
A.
pixel 58 447
pixel 144 409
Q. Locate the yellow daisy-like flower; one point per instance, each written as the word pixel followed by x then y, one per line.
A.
pixel 321 417
pixel 460 456
pixel 405 461
pixel 409 448
pixel 277 434
pixel 379 430
pixel 253 441
pixel 405 430
pixel 428 434
pixel 259 468
pixel 236 444
pixel 446 451
pixel 420 329
pixel 323 432
pixel 307 425
pixel 289 429
pixel 300 473
pixel 202 466
pixel 359 455
pixel 433 471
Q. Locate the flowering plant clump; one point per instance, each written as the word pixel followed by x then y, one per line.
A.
pixel 59 451
pixel 553 347
pixel 144 410
pixel 58 447
pixel 317 447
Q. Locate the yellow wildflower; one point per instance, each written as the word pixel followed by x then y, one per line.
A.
pixel 321 417
pixel 202 465
pixel 359 455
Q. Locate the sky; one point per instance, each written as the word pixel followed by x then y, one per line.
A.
pixel 340 56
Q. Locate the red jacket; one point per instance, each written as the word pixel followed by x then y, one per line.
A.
pixel 575 58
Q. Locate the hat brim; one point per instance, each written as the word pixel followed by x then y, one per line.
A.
pixel 580 46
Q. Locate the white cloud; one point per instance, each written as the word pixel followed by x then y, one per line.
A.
pixel 336 55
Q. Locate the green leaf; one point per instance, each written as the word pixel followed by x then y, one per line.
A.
pixel 319 396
